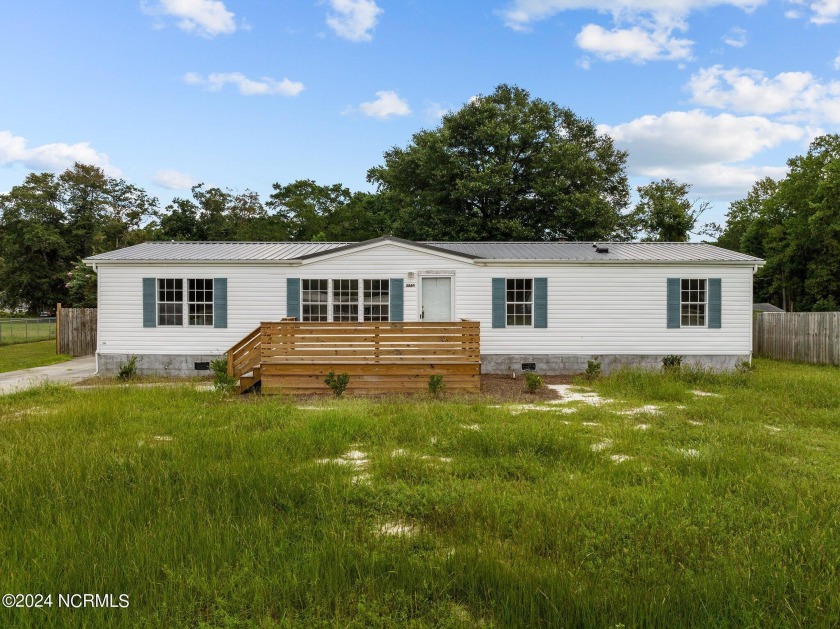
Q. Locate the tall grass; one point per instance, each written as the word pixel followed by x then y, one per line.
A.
pixel 206 509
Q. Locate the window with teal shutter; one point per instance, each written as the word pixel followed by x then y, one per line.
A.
pixel 397 299
pixel 714 302
pixel 673 307
pixel 540 302
pixel 220 302
pixel 293 297
pixel 498 301
pixel 149 302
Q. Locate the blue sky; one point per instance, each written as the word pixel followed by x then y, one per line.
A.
pixel 245 93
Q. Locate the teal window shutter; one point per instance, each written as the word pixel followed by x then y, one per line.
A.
pixel 220 302
pixel 149 302
pixel 499 302
pixel 396 299
pixel 673 302
pixel 714 302
pixel 540 302
pixel 293 297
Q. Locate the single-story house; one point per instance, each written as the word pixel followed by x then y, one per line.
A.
pixel 551 306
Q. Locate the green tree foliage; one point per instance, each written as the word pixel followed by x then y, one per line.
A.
pixel 50 222
pixel 81 286
pixel 665 213
pixel 795 225
pixel 505 167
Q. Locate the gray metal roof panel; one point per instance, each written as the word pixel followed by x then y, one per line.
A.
pixel 499 251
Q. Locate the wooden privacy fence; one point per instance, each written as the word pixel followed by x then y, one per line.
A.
pixel 75 331
pixel 807 337
pixel 295 356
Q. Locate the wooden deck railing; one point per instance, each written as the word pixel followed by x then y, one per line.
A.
pixel 296 356
pixel 245 355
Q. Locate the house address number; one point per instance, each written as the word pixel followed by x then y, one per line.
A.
pixel 410 285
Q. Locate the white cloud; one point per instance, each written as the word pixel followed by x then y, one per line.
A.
pixel 736 37
pixel 635 44
pixel 247 87
pixel 435 111
pixel 521 14
pixel 822 11
pixel 354 19
pixel 837 62
pixel 387 104
pixel 693 138
pixel 174 179
pixel 52 157
pixel 202 17
pixel 793 96
pixel 643 30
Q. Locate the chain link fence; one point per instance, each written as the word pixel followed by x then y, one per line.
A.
pixel 26 330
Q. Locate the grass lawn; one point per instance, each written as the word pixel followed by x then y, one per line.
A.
pixel 715 511
pixel 26 355
pixel 25 330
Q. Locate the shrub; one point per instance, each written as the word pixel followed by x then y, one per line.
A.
pixel 745 366
pixel 128 369
pixel 532 381
pixel 337 382
pixel 672 362
pixel 222 380
pixel 593 370
pixel 436 385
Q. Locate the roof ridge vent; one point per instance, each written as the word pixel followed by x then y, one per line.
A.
pixel 600 248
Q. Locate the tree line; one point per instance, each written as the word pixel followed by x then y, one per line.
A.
pixel 506 166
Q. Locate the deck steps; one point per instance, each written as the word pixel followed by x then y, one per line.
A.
pixel 248 380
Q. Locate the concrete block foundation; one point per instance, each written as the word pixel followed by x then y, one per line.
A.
pixel 569 364
pixel 176 365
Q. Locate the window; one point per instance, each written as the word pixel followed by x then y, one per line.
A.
pixel 693 302
pixel 377 299
pixel 345 294
pixel 314 295
pixel 200 302
pixel 170 306
pixel 519 301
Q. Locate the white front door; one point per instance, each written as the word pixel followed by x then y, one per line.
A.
pixel 436 299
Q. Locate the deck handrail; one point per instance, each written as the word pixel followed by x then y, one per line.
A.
pixel 245 355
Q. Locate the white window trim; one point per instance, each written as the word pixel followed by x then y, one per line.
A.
pixel 360 296
pixel 520 325
pixel 705 304
pixel 185 303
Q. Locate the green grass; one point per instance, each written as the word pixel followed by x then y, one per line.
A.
pixel 217 512
pixel 14 331
pixel 26 355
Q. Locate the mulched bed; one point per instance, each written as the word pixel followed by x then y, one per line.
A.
pixel 494 388
pixel 506 389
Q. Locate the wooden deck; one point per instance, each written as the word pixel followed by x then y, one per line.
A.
pixel 294 357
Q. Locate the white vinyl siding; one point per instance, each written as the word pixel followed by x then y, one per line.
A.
pixel 582 304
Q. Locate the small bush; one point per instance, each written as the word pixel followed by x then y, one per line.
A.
pixel 337 382
pixel 745 366
pixel 532 381
pixel 222 381
pixel 672 362
pixel 128 369
pixel 436 385
pixel 593 370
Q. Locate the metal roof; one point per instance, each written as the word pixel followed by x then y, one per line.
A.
pixel 585 251
pixel 199 251
pixel 766 307
pixel 480 251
